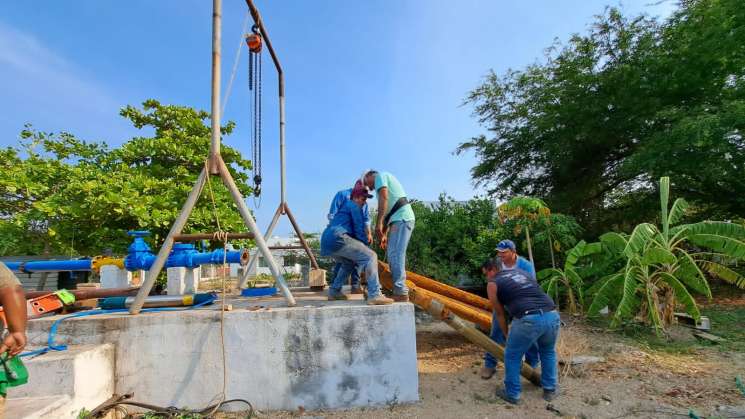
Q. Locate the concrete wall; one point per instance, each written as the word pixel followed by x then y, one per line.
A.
pixel 331 356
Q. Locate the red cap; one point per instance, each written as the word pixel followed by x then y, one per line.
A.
pixel 360 190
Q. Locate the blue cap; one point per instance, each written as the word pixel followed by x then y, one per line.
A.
pixel 506 245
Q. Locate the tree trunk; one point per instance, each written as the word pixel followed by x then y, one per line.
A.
pixel 551 249
pixel 530 246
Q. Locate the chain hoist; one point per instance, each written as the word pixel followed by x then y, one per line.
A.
pixel 254 42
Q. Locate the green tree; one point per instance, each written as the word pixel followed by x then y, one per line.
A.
pixel 664 265
pixel 81 197
pixel 608 112
pixel 525 212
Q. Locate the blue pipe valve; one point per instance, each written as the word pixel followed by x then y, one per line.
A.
pixel 139 255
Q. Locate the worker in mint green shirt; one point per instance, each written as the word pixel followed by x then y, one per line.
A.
pixel 395 223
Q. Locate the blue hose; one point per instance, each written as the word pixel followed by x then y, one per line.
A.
pixel 53 330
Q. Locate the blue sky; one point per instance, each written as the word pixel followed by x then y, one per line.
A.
pixel 370 84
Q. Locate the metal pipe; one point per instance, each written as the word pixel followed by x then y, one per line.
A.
pixel 281 80
pixel 448 291
pixel 216 34
pixel 282 195
pixel 255 257
pixel 210 236
pixel 299 233
pixel 50 265
pixel 453 312
pixel 86 294
pixel 438 310
pixel 260 243
pixel 158 301
pixel 165 250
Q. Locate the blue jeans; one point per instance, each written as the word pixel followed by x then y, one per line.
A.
pixel 355 282
pixel 351 254
pixel 497 336
pixel 541 329
pixel 399 233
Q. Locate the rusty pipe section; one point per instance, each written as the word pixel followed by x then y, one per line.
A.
pixel 455 313
pixel 90 293
pixel 461 309
pixel 448 291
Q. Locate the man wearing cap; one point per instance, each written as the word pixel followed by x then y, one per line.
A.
pixel 393 226
pixel 339 200
pixel 345 240
pixel 535 322
pixel 507 253
pixel 13 301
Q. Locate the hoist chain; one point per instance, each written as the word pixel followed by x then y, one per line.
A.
pixel 254 84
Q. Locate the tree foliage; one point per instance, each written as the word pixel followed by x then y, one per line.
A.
pixel 81 197
pixel 452 239
pixel 589 129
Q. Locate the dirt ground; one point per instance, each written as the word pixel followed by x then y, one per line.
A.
pixel 632 382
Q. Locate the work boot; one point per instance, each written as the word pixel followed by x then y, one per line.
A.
pixel 379 301
pixel 400 298
pixel 334 297
pixel 503 395
pixel 550 395
pixel 357 290
pixel 487 373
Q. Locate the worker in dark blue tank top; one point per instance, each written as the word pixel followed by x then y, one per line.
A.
pixel 507 254
pixel 535 322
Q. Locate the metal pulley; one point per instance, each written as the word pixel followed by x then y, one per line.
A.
pixel 253 40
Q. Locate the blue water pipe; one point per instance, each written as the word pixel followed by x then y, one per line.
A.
pixel 139 256
pixel 182 255
pixel 50 265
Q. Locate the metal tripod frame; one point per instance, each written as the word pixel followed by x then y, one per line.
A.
pixel 216 166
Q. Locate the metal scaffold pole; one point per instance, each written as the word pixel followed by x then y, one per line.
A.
pixel 214 166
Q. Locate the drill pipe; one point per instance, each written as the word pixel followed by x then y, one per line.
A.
pixel 448 291
pixel 438 310
pixel 463 310
pixel 453 313
pixel 89 294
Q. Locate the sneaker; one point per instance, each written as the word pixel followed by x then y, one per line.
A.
pixel 334 297
pixel 503 395
pixel 400 298
pixel 550 395
pixel 357 290
pixel 379 301
pixel 487 373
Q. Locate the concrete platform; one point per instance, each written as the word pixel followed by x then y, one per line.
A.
pixel 62 383
pixel 319 354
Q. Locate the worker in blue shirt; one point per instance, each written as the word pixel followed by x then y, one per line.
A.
pixel 507 254
pixel 339 200
pixel 345 240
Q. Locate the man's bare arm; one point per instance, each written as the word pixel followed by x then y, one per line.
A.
pixel 14 305
pixel 491 290
pixel 382 206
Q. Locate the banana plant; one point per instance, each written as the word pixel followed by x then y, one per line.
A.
pixel 553 280
pixel 663 265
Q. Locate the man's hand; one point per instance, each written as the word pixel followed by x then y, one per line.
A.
pixel 13 344
pixel 369 237
pixel 384 242
pixel 379 234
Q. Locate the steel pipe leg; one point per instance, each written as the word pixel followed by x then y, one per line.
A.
pixel 165 249
pixel 255 257
pixel 251 224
